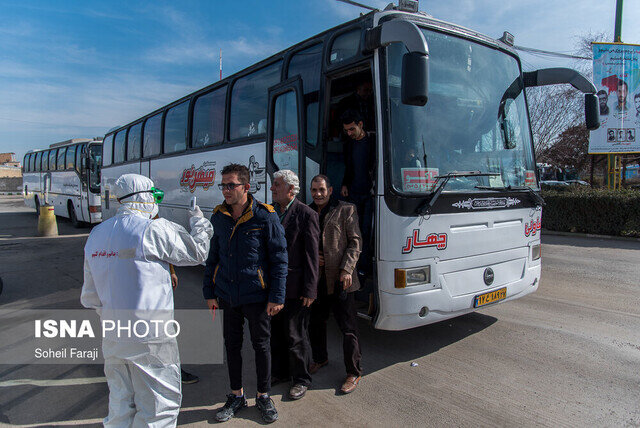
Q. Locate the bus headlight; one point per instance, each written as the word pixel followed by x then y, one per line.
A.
pixel 536 252
pixel 408 277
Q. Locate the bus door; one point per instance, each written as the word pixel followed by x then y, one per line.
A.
pixel 286 131
pixel 82 169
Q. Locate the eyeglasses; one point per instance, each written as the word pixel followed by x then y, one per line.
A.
pixel 228 186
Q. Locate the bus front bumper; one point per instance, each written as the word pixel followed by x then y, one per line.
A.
pixel 403 311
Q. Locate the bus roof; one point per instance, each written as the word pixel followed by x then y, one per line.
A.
pixel 375 16
pixel 75 141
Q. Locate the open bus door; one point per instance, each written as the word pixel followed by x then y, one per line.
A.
pixel 286 132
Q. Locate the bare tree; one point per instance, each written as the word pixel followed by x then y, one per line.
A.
pixel 554 109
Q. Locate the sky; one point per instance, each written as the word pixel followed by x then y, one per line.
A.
pixel 75 69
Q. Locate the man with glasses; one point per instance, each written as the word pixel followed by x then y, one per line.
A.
pixel 245 276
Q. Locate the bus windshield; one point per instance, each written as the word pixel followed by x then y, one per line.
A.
pixel 95 163
pixel 475 120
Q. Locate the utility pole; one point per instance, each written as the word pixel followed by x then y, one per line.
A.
pixel 617 38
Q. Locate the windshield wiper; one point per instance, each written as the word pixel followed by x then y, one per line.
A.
pixel 536 197
pixel 425 209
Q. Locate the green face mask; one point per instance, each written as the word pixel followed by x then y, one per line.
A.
pixel 158 195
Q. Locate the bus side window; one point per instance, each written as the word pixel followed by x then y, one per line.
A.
pixel 175 128
pixel 345 46
pixel 45 160
pixel 307 63
pixel 38 161
pixel 285 132
pixel 60 162
pixel 151 136
pixel 71 154
pixel 208 119
pixel 249 98
pixel 133 142
pixel 79 152
pixel 107 150
pixel 119 146
pixel 53 155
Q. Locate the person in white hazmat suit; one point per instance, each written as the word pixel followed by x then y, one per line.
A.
pixel 126 269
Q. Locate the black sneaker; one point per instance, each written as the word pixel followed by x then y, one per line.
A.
pixel 231 407
pixel 265 404
pixel 188 378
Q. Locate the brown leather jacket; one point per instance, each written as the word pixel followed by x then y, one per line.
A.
pixel 341 243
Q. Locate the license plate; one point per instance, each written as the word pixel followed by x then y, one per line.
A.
pixel 490 297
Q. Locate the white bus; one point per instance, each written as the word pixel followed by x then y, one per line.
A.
pixel 456 214
pixel 67 176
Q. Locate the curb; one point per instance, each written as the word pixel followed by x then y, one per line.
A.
pixel 590 235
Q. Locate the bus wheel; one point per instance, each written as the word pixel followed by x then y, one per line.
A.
pixel 72 215
pixel 37 204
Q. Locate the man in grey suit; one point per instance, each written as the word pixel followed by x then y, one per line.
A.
pixel 340 245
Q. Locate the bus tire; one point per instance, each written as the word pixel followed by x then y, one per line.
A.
pixel 36 202
pixel 72 215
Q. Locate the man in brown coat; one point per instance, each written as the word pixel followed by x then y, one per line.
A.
pixel 340 245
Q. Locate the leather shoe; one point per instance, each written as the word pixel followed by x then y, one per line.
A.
pixel 350 384
pixel 297 391
pixel 314 367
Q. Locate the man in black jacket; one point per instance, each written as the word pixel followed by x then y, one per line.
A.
pixel 357 184
pixel 245 276
pixel 290 345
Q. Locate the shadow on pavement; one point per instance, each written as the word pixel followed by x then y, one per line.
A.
pixel 380 349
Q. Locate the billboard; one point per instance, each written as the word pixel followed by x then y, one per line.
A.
pixel 616 75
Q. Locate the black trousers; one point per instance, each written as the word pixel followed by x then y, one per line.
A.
pixel 260 330
pixel 290 346
pixel 345 313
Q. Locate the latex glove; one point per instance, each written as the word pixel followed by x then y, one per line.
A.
pixel 196 212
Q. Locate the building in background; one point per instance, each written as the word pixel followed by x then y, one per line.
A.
pixel 9 167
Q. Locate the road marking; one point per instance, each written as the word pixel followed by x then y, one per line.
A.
pixel 63 423
pixel 53 382
pixel 23 238
pixel 99 421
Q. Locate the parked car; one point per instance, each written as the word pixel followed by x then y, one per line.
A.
pixel 577 183
pixel 553 185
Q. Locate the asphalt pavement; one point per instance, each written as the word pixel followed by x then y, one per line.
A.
pixel 566 355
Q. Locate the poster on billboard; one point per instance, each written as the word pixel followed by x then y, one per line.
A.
pixel 616 75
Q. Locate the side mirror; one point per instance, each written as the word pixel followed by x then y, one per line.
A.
pixel 415 79
pixel 83 163
pixel 591 111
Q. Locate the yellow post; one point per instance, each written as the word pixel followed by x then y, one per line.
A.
pixel 47 225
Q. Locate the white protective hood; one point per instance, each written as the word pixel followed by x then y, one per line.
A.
pixel 141 204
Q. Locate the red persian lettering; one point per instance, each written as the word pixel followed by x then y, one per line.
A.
pixel 104 253
pixel 532 227
pixel 438 240
pixel 192 178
